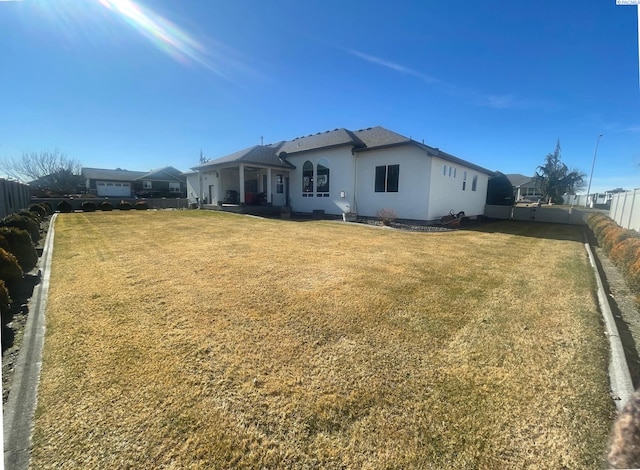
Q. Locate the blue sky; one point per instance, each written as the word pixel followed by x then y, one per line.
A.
pixel 150 83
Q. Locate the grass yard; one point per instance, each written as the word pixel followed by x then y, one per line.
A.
pixel 191 339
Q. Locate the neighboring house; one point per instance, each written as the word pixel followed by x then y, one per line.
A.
pixel 165 182
pixel 345 171
pixel 524 187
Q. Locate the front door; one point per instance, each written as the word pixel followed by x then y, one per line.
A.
pixel 211 194
pixel 278 195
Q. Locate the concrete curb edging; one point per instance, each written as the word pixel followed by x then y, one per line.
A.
pixel 619 376
pixel 21 404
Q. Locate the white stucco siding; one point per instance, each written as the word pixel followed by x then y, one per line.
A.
pixel 449 191
pixel 341 181
pixel 412 199
pixel 193 187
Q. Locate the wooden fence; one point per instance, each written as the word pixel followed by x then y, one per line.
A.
pixel 14 197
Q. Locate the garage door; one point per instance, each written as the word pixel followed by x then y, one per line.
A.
pixel 113 189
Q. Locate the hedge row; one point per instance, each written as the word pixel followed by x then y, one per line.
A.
pixel 18 235
pixel 90 206
pixel 622 246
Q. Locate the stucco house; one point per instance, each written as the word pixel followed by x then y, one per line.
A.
pixel 165 182
pixel 341 171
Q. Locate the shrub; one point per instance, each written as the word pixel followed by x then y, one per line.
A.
pixel 48 207
pixel 141 206
pixel 386 216
pixel 612 236
pixel 5 300
pixel 10 271
pixel 32 215
pixel 40 209
pixel 88 206
pixel 625 253
pixel 124 206
pixel 106 206
pixel 25 223
pixel 64 207
pixel 19 244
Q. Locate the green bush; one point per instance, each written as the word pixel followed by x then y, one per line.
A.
pixel 124 206
pixel 32 215
pixel 10 271
pixel 5 300
pixel 48 207
pixel 40 209
pixel 25 223
pixel 19 244
pixel 106 206
pixel 64 207
pixel 141 206
pixel 88 206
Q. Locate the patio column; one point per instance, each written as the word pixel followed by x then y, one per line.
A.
pixel 241 172
pixel 268 189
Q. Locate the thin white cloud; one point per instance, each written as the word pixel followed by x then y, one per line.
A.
pixel 495 101
pixel 392 65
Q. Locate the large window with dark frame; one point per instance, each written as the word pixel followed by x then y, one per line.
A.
pixel 387 178
pixel 322 179
pixel 307 179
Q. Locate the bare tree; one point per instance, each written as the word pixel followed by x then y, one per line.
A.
pixel 51 170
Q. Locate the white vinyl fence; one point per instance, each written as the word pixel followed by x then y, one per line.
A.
pixel 556 215
pixel 625 209
pixel 14 197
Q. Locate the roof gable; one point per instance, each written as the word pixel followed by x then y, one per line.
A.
pixel 334 138
pixel 167 173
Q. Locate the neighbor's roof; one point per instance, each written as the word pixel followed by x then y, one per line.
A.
pixel 168 173
pixel 112 175
pixel 517 179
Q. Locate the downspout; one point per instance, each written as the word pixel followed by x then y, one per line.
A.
pixel 200 193
pixel 355 180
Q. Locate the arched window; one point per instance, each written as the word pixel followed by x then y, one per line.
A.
pixel 307 177
pixel 322 184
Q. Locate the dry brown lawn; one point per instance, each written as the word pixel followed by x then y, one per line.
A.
pixel 207 340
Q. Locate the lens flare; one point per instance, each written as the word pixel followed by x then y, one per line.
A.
pixel 165 35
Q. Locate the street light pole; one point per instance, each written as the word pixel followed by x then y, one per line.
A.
pixel 593 164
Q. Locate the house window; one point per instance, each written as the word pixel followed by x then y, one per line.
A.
pixel 455 171
pixel 174 187
pixel 464 181
pixel 146 184
pixel 322 185
pixel 280 184
pixel 444 170
pixel 307 178
pixel 387 178
pixel 474 183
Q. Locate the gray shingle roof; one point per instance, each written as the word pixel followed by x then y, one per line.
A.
pixel 167 173
pixel 517 179
pixel 376 137
pixel 361 141
pixel 334 138
pixel 111 175
pixel 258 154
